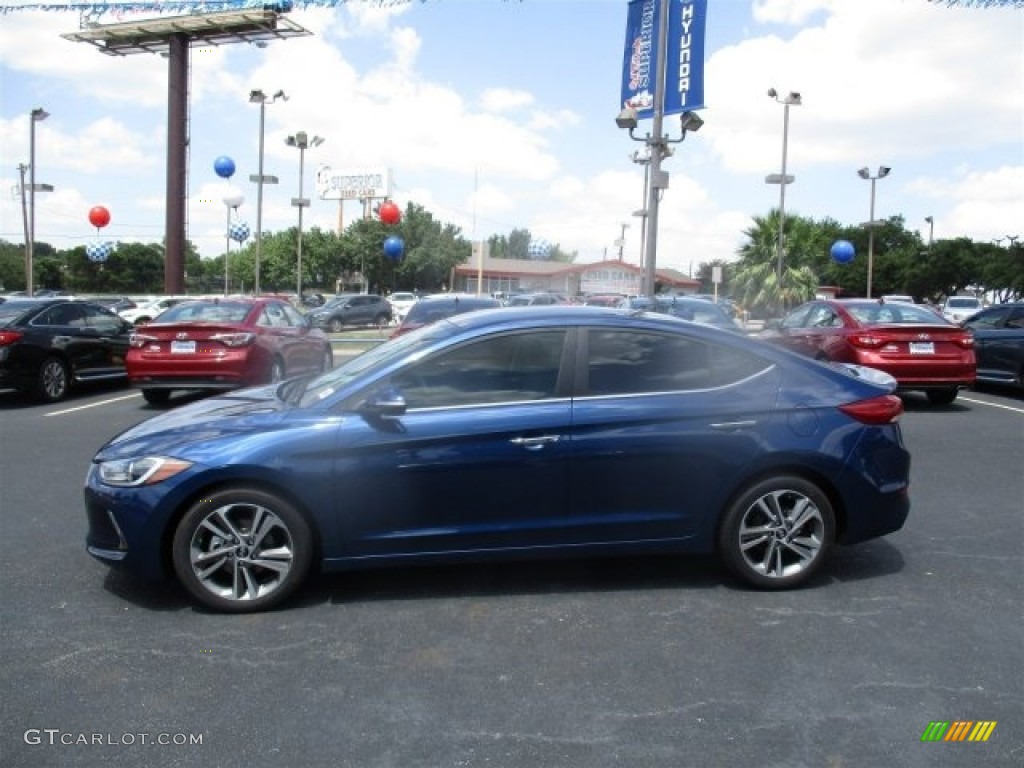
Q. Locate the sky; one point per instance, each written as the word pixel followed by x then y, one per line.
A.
pixel 497 115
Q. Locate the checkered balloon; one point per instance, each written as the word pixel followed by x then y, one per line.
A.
pixel 238 231
pixel 99 252
pixel 539 249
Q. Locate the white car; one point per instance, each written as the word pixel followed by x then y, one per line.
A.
pixel 959 308
pixel 401 302
pixel 146 311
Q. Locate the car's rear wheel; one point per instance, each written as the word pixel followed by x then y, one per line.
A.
pixel 52 381
pixel 942 396
pixel 156 396
pixel 777 532
pixel 238 550
pixel 381 320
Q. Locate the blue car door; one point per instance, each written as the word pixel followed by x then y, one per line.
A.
pixel 478 461
pixel 661 425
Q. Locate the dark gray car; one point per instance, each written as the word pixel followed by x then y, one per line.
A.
pixel 350 309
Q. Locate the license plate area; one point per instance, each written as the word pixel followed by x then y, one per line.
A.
pixel 183 347
pixel 922 348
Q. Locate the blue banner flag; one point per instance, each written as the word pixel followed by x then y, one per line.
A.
pixel 684 58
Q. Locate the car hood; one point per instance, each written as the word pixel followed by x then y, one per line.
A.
pixel 205 421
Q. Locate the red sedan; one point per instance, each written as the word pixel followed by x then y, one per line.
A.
pixel 224 343
pixel 920 350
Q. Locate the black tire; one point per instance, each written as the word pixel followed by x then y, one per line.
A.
pixel 942 396
pixel 777 532
pixel 156 396
pixel 327 362
pixel 277 370
pixel 335 325
pixel 381 320
pixel 52 380
pixel 225 565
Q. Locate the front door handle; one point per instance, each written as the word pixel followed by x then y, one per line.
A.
pixel 534 443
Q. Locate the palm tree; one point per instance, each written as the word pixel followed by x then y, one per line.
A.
pixel 759 285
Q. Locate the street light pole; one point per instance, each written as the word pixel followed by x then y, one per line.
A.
pixel 303 142
pixel 864 173
pixel 645 161
pixel 258 97
pixel 36 116
pixel 792 100
pixel 931 230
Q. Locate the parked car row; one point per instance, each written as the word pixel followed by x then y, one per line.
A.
pixel 48 346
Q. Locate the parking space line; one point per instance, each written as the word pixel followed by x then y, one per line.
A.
pixel 93 405
pixel 994 405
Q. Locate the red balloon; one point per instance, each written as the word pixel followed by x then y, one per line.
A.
pixel 99 216
pixel 389 213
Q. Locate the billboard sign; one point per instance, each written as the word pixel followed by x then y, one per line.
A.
pixel 354 184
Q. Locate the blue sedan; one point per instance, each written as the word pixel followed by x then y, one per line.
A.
pixel 509 433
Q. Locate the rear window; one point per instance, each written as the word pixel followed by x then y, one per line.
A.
pixel 203 312
pixel 963 303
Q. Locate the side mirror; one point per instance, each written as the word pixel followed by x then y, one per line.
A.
pixel 385 404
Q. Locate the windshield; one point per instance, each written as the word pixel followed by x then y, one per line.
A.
pixel 379 357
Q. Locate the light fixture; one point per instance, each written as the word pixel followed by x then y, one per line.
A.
pixel 690 121
pixel 626 119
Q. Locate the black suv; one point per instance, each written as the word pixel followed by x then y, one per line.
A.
pixel 46 345
pixel 350 309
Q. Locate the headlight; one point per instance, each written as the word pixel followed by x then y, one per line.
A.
pixel 127 473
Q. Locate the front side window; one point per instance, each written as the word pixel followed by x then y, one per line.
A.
pixel 512 367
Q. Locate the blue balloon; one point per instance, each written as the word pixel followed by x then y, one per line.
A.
pixel 842 251
pixel 224 166
pixel 394 247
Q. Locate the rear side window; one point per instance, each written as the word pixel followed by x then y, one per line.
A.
pixel 641 362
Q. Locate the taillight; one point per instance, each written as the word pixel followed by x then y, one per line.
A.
pixel 966 341
pixel 867 340
pixel 883 409
pixel 139 340
pixel 9 337
pixel 234 339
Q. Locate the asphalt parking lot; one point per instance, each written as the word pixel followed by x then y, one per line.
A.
pixel 638 662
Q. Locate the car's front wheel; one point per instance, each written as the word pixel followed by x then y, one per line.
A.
pixel 777 532
pixel 52 380
pixel 239 550
pixel 335 325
